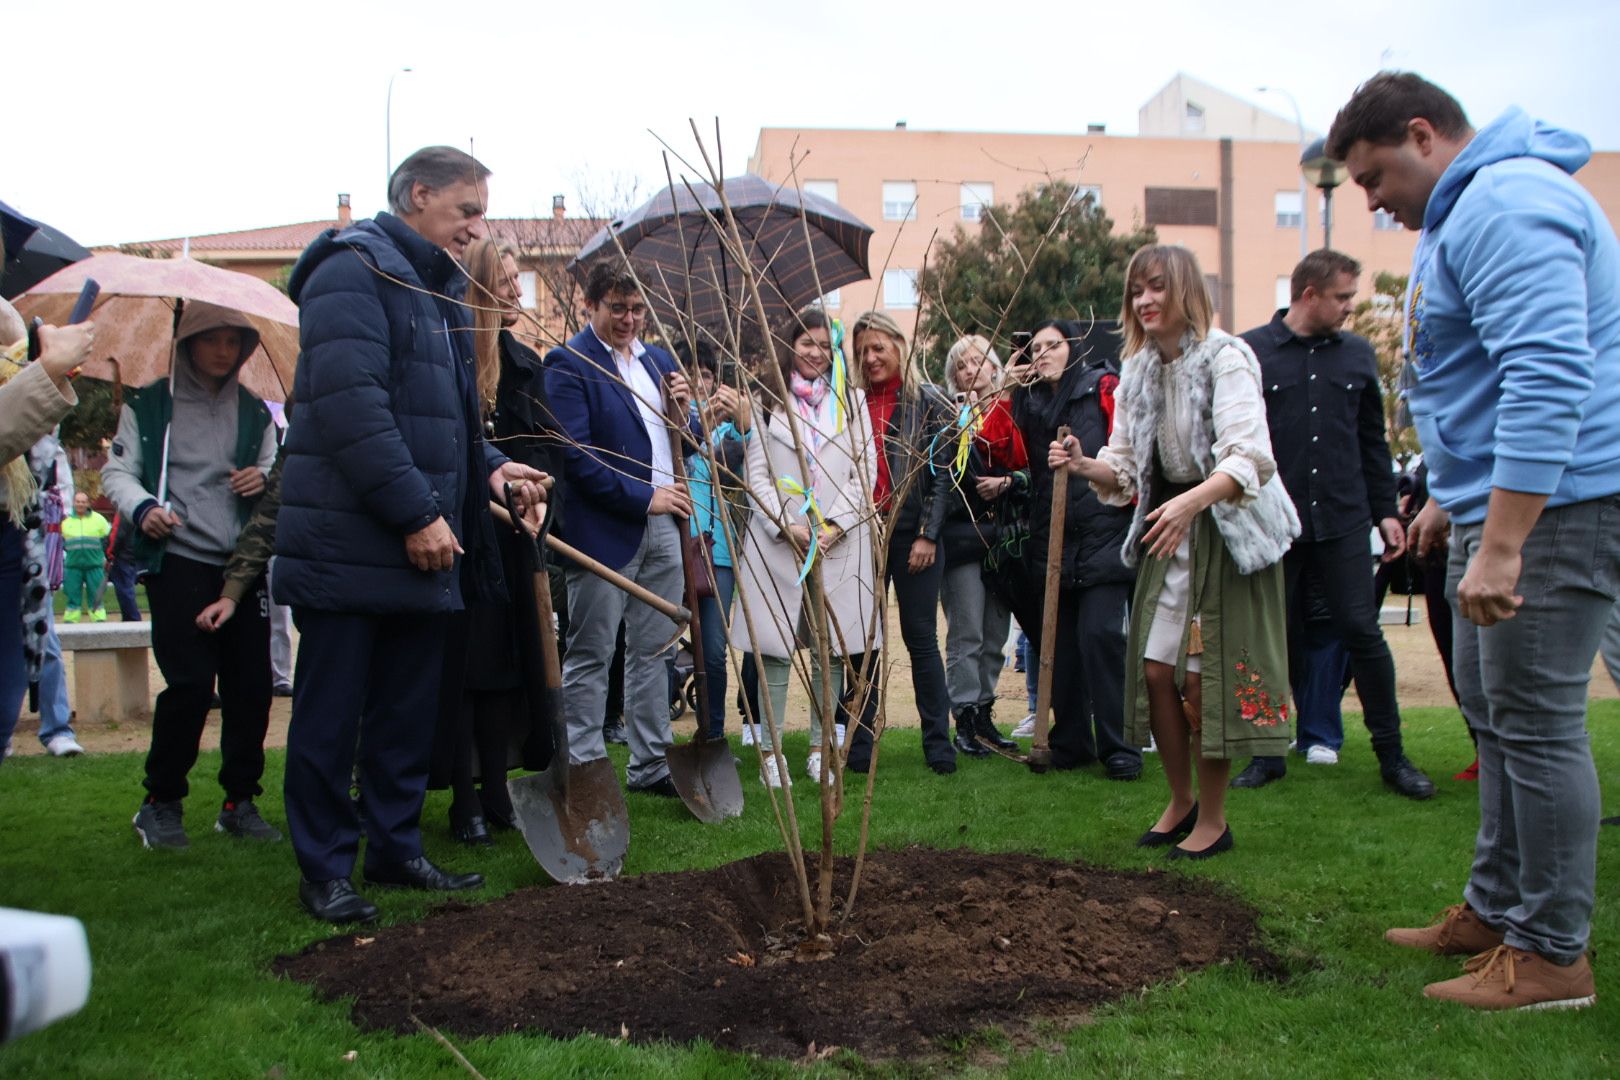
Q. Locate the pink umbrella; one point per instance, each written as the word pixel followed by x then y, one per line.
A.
pixel 139 307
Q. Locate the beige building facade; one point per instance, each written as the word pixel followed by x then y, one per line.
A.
pixel 1234 202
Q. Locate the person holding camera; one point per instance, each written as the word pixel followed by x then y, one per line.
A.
pixel 1065 380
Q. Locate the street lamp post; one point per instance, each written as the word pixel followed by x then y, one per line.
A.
pixel 388 131
pixel 1324 174
pixel 1299 121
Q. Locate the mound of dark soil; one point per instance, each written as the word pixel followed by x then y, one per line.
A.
pixel 942 943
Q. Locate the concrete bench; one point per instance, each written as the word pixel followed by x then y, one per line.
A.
pixel 110 670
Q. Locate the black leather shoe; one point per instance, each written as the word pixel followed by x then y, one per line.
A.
pixel 1407 779
pixel 984 726
pixel 498 818
pixel 1224 843
pixel 943 768
pixel 664 787
pixel 613 732
pixel 1175 836
pixel 1257 774
pixel 1123 767
pixel 420 874
pixel 967 733
pixel 335 901
pixel 474 832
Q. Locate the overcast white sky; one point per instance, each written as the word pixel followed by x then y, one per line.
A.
pixel 164 118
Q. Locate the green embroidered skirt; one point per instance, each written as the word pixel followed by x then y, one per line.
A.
pixel 1244 664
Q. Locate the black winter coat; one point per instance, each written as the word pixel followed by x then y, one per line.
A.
pixel 1092 533
pixel 386 437
pixel 918 446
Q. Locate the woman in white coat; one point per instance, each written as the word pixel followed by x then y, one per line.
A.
pixel 823 518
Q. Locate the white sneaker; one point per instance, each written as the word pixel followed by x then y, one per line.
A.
pixel 838 732
pixel 748 734
pixel 6 751
pixel 773 777
pixel 64 746
pixel 1321 755
pixel 812 766
pixel 1025 728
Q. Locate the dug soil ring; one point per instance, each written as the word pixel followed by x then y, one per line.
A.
pixel 943 943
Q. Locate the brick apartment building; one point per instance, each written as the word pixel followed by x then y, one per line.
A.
pixel 1208 170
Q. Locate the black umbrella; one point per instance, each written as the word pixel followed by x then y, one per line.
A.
pixel 34 252
pixel 675 243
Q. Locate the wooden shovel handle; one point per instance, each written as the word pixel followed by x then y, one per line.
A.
pixel 612 577
pixel 1040 749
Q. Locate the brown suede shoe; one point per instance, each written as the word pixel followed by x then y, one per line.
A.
pixel 1509 978
pixel 1458 933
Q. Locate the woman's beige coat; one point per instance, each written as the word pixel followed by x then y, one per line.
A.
pixel 768 565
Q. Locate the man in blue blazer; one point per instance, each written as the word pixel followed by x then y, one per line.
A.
pixel 608 393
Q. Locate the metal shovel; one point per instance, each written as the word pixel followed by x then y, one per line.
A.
pixel 573 817
pixel 704 771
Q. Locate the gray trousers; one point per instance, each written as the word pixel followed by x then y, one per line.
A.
pixel 1611 646
pixel 595 609
pixel 1525 682
pixel 976 629
pixel 777 672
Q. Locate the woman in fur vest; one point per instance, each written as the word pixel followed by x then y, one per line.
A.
pixel 1208 651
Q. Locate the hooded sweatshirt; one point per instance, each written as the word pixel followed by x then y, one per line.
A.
pixel 1514 323
pixel 207 439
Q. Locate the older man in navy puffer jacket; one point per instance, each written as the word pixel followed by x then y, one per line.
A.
pixel 384 522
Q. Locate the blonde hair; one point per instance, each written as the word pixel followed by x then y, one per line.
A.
pixel 483 263
pixel 1186 296
pixel 953 359
pixel 879 323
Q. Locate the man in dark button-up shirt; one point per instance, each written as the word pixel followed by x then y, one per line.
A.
pixel 1326 415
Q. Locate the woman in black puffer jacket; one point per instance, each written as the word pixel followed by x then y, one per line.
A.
pixel 1069 378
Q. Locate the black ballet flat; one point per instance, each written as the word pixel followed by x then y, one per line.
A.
pixel 1174 836
pixel 1221 845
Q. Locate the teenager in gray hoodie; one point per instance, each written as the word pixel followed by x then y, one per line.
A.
pixel 186 467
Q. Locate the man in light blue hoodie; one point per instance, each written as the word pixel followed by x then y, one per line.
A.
pixel 1514 337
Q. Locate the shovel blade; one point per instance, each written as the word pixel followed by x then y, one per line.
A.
pixel 705 775
pixel 574 820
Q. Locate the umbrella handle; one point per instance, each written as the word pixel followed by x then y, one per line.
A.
pixel 86 301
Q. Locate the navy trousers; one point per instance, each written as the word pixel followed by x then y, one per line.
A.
pixel 365 693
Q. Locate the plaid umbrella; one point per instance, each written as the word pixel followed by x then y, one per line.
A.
pixel 675 244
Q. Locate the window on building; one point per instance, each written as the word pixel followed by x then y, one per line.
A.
pixel 1285 288
pixel 1212 282
pixel 899 200
pixel 1193 118
pixel 1290 206
pixel 1089 191
pixel 1181 206
pixel 899 288
pixel 976 195
pixel 830 300
pixel 1384 221
pixel 825 189
pixel 529 290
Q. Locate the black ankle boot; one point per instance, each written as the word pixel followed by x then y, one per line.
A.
pixel 984 726
pixel 967 730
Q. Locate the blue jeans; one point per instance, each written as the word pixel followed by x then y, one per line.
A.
pixel 1320 692
pixel 1032 667
pixel 13 672
pixel 1524 682
pixel 714 612
pixel 55 718
pixel 122 575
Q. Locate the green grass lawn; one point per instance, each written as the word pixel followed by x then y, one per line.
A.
pixel 182 943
